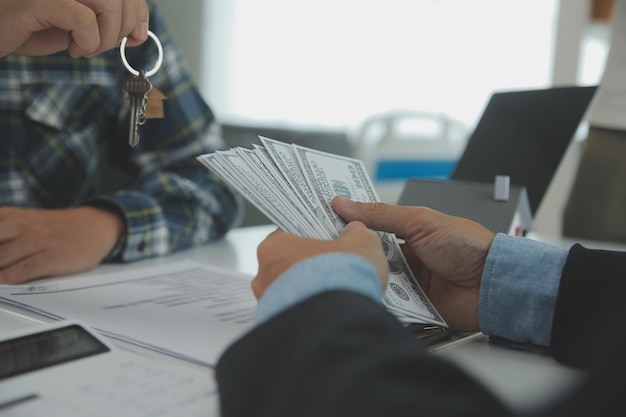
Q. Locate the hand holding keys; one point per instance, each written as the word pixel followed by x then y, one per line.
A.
pixel 137 88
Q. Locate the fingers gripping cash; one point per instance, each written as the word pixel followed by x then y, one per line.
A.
pixel 294 187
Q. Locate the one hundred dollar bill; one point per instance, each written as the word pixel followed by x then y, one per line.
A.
pixel 294 187
pixel 331 175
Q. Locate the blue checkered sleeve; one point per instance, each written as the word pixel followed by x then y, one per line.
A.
pixel 63 120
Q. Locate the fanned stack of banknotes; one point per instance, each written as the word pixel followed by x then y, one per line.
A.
pixel 294 187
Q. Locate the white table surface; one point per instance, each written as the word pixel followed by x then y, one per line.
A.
pixel 520 378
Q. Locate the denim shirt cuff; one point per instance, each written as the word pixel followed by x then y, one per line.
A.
pixel 330 271
pixel 519 287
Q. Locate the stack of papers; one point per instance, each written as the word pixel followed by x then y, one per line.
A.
pixel 294 187
pixel 184 309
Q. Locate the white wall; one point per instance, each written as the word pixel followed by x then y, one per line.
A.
pixel 580 52
pixel 186 21
pixel 202 25
pixel 336 63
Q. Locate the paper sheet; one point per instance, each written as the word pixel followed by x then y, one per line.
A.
pixel 185 309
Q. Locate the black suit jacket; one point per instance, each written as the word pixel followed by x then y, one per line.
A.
pixel 340 354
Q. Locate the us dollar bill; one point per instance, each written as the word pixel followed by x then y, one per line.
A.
pixel 294 187
pixel 281 192
pixel 284 157
pixel 331 175
pixel 240 176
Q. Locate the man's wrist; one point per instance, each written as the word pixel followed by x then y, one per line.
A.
pixel 330 271
pixel 120 244
pixel 118 249
pixel 519 287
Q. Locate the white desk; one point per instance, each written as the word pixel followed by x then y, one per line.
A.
pixel 520 378
pixel 236 251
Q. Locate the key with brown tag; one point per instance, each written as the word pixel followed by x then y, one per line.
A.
pixel 137 88
pixel 154 110
pixel 146 101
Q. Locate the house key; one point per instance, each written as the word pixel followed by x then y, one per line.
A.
pixel 137 88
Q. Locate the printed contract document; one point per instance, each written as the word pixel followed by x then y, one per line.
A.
pixel 186 309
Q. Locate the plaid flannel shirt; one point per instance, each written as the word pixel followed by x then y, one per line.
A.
pixel 63 120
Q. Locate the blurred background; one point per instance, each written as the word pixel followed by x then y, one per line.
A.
pixel 341 75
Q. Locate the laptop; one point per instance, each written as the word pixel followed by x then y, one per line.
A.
pixel 524 134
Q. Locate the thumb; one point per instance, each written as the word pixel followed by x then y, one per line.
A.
pixel 377 216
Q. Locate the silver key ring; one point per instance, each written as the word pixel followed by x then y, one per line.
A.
pixel 158 62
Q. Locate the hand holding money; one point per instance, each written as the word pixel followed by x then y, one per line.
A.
pixel 281 250
pixel 294 186
pixel 432 240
